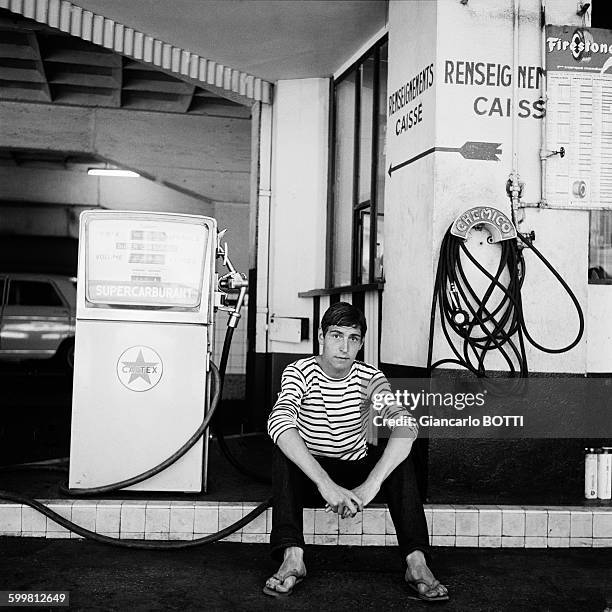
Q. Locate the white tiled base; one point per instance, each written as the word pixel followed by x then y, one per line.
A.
pixel 485 526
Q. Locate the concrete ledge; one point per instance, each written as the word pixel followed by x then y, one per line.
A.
pixel 485 526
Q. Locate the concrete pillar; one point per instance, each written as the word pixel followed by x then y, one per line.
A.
pixel 451 79
pixel 299 200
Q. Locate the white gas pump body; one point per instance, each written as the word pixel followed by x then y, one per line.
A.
pixel 143 342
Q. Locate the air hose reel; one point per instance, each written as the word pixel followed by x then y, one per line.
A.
pixel 500 228
pixel 476 322
pixel 499 225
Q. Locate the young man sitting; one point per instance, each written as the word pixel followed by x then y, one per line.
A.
pixel 319 425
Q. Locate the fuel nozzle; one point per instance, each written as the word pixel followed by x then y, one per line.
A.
pixel 233 281
pixel 230 282
pixel 528 239
pixel 459 316
pixel 529 235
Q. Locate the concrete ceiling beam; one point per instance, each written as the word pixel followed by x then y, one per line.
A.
pixel 223 80
pixel 202 156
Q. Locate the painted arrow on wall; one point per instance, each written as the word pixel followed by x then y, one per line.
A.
pixel 483 151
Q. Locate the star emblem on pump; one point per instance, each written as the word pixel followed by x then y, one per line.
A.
pixel 139 368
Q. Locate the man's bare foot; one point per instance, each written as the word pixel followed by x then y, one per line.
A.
pixel 292 570
pixel 419 576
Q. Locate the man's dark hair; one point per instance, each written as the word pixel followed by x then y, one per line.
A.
pixel 344 314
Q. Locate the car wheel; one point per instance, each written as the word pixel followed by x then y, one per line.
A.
pixel 66 355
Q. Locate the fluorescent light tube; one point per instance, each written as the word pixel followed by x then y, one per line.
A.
pixel 112 172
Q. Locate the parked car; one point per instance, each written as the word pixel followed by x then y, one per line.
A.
pixel 37 317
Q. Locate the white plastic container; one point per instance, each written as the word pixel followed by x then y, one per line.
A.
pixel 590 473
pixel 604 473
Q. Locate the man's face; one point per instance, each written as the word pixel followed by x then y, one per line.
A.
pixel 340 346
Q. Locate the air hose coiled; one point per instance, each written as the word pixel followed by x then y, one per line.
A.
pixel 491 322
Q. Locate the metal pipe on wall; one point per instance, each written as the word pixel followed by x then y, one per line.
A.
pixel 515 65
pixel 543 96
pixel 513 185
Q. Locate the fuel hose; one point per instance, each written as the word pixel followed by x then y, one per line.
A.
pixel 216 424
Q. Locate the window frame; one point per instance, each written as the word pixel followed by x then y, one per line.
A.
pixel 16 281
pixel 357 206
pixel 595 281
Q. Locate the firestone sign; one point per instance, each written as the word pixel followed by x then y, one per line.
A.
pixel 578 49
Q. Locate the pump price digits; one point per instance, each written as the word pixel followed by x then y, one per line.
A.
pixel 48 599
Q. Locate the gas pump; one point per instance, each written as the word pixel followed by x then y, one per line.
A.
pixel 145 389
pixel 146 296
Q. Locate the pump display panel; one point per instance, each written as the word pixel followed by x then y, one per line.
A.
pixel 140 262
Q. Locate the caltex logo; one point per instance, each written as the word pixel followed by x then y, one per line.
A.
pixel 139 368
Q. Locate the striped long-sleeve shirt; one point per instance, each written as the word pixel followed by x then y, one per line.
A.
pixel 331 415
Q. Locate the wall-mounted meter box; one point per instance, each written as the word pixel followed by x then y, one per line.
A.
pixel 143 334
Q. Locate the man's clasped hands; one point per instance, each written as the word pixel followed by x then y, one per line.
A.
pixel 347 503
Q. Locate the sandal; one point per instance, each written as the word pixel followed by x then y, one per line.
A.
pixel 414 585
pixel 274 593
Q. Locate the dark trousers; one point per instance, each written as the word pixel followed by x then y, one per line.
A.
pixel 293 490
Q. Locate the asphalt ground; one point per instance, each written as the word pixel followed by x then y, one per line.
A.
pixel 230 576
